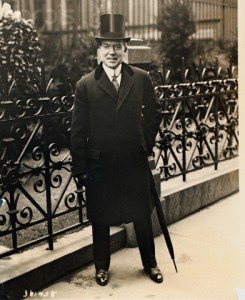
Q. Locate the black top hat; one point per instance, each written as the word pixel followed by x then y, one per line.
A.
pixel 112 28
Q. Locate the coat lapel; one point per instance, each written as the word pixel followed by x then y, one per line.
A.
pixel 105 84
pixel 127 82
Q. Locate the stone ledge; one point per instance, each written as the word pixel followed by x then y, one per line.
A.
pixel 185 202
pixel 202 188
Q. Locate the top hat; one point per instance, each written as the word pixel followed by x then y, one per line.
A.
pixel 112 28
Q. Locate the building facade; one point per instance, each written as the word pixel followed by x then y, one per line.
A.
pixel 215 19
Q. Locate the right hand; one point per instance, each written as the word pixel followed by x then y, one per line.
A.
pixel 82 180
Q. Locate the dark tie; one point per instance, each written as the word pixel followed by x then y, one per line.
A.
pixel 115 82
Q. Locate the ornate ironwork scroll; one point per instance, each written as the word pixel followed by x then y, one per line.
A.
pixel 36 185
pixel 199 126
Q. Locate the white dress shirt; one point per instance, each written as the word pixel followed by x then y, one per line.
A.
pixel 110 72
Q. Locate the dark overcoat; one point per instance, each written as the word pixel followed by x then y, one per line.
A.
pixel 111 136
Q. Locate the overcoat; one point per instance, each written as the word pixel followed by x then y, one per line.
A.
pixel 111 136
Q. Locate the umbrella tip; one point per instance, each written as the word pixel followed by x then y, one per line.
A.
pixel 175 266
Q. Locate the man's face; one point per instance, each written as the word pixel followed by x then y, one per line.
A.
pixel 112 52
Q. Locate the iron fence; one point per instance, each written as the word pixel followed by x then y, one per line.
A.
pixel 36 186
pixel 199 129
pixel 200 119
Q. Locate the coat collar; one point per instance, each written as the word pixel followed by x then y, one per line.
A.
pixel 127 82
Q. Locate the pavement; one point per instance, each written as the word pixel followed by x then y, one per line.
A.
pixel 210 255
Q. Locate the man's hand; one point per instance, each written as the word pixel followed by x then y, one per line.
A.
pixel 82 181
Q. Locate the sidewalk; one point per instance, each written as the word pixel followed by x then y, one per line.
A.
pixel 210 255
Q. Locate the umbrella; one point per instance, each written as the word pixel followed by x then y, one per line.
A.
pixel 162 220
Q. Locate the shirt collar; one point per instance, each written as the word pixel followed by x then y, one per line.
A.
pixel 110 71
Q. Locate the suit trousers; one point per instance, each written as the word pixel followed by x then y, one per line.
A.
pixel 145 239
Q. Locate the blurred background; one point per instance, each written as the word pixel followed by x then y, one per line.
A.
pixel 172 28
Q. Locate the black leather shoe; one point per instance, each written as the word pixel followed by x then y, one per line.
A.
pixel 102 277
pixel 155 274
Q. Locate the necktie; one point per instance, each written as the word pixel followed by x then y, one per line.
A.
pixel 115 82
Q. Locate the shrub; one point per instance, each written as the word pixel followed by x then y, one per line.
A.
pixel 19 46
pixel 234 50
pixel 177 25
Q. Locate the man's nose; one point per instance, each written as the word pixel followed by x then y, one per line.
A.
pixel 112 50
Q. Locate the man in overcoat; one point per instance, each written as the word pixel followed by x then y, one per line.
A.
pixel 115 121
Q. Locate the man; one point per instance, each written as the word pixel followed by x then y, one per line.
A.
pixel 115 120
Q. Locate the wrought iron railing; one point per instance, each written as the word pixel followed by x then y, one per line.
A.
pixel 199 128
pixel 37 191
